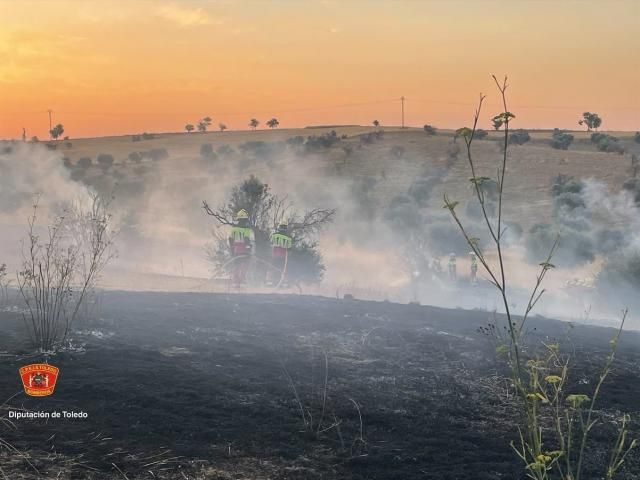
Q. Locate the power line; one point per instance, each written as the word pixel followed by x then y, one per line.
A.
pixel 541 107
pixel 276 111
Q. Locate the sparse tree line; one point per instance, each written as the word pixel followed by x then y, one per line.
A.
pixel 203 124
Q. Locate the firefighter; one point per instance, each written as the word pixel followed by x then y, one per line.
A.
pixel 474 268
pixel 280 245
pixel 453 274
pixel 241 242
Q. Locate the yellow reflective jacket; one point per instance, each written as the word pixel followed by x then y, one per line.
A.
pixel 280 240
pixel 241 234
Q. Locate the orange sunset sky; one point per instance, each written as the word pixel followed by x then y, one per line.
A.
pixel 116 67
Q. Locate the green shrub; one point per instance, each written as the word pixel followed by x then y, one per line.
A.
pixel 560 140
pixel 158 154
pixel 607 143
pixel 135 157
pixel 105 160
pixel 225 150
pixel 519 137
pixel 206 150
pixel 297 140
pixel 481 134
pixel 84 162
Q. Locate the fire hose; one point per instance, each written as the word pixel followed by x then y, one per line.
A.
pixel 282 272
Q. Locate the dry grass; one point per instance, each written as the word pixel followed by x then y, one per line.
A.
pixel 531 166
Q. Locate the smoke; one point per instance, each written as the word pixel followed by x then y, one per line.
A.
pixel 389 232
pixel 28 170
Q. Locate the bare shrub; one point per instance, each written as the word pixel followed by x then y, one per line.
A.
pixel 60 268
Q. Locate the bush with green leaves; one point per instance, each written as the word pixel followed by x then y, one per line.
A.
pixel 105 160
pixel 297 140
pixel 135 157
pixel 84 162
pixel 481 134
pixel 316 143
pixel 519 137
pixel 224 150
pixel 607 143
pixel 561 140
pixel 157 154
pixel 206 150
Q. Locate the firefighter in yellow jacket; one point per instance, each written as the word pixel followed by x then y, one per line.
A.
pixel 241 241
pixel 280 245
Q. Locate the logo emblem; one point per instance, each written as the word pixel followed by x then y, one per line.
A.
pixel 39 379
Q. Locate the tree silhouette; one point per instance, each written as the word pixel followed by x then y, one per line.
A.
pixel 222 127
pixel 591 120
pixel 254 123
pixel 376 123
pixel 204 124
pixel 189 127
pixel 273 123
pixel 57 131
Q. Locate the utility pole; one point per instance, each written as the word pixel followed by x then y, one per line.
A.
pixel 402 102
pixel 50 125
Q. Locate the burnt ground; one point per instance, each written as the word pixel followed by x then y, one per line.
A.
pixel 194 386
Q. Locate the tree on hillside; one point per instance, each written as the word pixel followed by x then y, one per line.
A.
pixel 273 123
pixel 497 122
pixel 204 124
pixel 254 123
pixel 222 127
pixel 376 123
pixel 591 120
pixel 189 128
pixel 266 211
pixel 57 131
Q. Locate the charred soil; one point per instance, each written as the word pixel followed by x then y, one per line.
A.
pixel 286 387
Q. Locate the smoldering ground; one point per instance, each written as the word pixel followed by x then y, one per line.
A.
pixel 389 227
